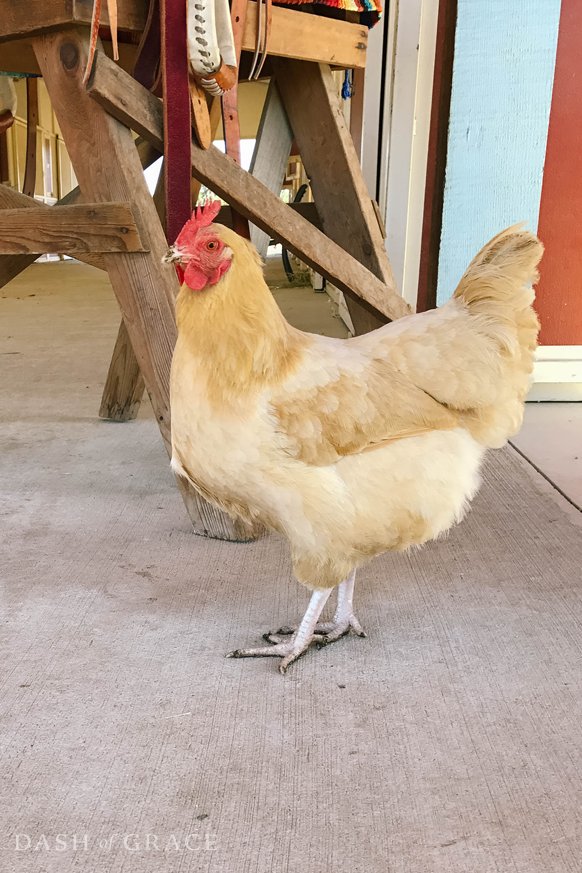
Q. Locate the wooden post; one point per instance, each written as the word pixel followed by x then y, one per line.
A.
pixel 108 168
pixel 271 154
pixel 328 153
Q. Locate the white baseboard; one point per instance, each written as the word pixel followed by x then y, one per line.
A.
pixel 557 374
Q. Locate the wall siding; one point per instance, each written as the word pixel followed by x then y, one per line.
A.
pixel 503 73
pixel 559 301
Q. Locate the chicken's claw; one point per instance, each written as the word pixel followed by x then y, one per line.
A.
pixel 325 631
pixel 288 650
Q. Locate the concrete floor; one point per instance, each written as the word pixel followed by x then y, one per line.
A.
pixel 551 438
pixel 448 741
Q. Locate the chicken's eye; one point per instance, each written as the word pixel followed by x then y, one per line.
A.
pixel 212 245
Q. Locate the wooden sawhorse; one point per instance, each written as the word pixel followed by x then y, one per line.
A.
pixel 111 221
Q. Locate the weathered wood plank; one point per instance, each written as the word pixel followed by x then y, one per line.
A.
pixel 108 168
pixel 70 230
pixel 293 33
pixel 330 158
pixel 127 99
pixel 12 265
pixel 125 385
pixel 311 37
pixel 20 19
pixel 269 162
pixel 307 210
pixel 121 394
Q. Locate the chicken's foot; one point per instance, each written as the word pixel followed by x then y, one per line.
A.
pixel 302 638
pixel 343 622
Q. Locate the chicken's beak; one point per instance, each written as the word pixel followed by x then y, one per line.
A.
pixel 172 256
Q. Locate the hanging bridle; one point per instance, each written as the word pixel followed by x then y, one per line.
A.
pixel 185 39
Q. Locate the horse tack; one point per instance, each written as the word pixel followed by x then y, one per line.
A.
pixel 212 46
pixel 199 43
pixel 262 38
pixel 177 119
pixel 95 21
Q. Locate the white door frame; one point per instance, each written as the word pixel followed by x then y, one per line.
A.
pixel 404 52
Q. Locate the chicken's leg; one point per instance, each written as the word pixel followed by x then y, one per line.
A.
pixel 302 638
pixel 344 619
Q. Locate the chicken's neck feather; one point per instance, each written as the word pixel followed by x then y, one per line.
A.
pixel 235 329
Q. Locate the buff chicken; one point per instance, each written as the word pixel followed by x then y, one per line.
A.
pixel 348 448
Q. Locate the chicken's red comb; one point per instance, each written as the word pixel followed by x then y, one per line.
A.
pixel 203 216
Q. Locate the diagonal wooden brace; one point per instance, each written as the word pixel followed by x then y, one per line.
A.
pixel 128 101
pixel 332 165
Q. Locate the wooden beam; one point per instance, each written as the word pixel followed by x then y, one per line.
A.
pixel 330 159
pixel 124 386
pixel 21 19
pixel 108 168
pixel 12 265
pixel 295 34
pixel 306 210
pixel 271 154
pixel 126 99
pixel 70 230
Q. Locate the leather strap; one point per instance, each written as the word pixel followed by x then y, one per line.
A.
pixel 147 69
pixel 96 17
pixel 266 35
pixel 262 37
pixel 112 10
pixel 177 124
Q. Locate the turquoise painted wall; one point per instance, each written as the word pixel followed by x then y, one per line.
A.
pixel 505 53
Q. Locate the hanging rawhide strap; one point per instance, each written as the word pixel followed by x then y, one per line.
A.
pixel 95 21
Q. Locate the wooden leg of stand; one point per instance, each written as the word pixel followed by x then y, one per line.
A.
pixel 108 168
pixel 330 159
pixel 272 149
pixel 124 386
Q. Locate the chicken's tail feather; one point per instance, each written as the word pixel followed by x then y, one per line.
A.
pixel 498 280
pixel 497 289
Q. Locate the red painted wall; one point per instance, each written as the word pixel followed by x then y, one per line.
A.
pixel 559 293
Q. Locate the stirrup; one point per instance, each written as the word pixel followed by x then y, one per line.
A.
pixel 211 45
